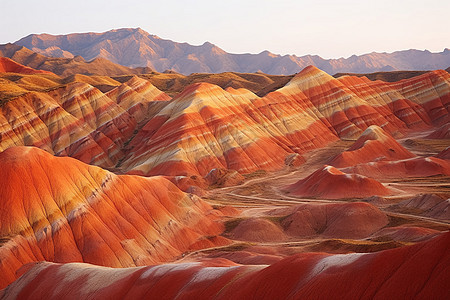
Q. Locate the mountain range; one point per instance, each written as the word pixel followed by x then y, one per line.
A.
pixel 137 48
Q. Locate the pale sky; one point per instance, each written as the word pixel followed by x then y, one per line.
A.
pixel 331 29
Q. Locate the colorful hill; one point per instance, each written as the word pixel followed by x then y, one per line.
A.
pixel 237 149
pixel 430 205
pixel 136 128
pixel 9 66
pixel 206 127
pixel 62 210
pixel 354 220
pixel 77 120
pixel 309 112
pixel 391 76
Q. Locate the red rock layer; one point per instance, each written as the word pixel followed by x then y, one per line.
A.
pixel 139 98
pixel 373 144
pixel 9 66
pixel 76 120
pixel 334 220
pixel 417 101
pixel 415 167
pixel 62 210
pixel 389 274
pixel 330 183
pixel 206 127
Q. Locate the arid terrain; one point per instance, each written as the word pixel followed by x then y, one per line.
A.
pixel 224 186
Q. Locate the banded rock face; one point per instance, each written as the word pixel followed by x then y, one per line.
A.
pixel 138 97
pixel 206 127
pixel 62 210
pixel 137 129
pixel 78 120
pixel 380 275
pixel 417 101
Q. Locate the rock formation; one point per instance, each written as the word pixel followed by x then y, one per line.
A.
pixel 330 183
pixel 60 209
pixel 385 274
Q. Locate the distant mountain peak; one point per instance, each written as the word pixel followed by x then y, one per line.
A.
pixel 134 47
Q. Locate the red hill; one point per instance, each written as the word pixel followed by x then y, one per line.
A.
pixel 373 144
pixel 62 210
pixel 330 183
pixel 9 66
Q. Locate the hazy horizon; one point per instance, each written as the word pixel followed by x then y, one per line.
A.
pixel 325 28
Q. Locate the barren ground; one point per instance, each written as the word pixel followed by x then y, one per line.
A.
pixel 263 192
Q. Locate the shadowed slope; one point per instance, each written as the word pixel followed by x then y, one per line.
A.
pixel 442 132
pixel 330 183
pixel 444 154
